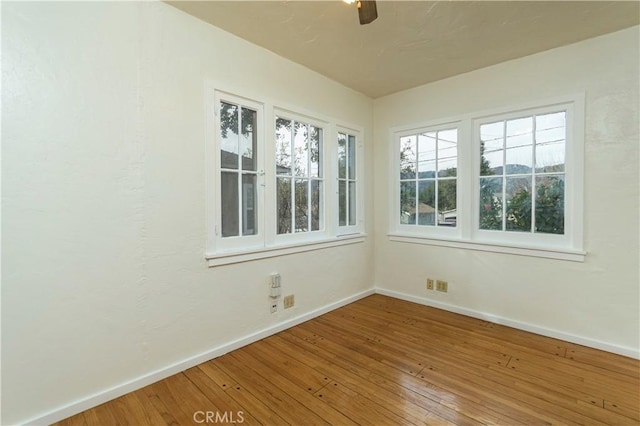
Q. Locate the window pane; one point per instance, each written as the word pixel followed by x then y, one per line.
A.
pixel 249 139
pixel 550 142
pixel 283 146
pixel 408 203
pixel 315 151
pixel 550 157
pixel 301 150
pixel 491 148
pixel 427 155
pixel 302 206
pixel 491 203
pixel 519 160
pixel 342 155
pixel 550 127
pixel 229 212
pixel 447 202
pixel 352 203
pixel 284 205
pixel 518 199
pixel 519 132
pixel 316 190
pixel 447 153
pixel 249 204
pixel 407 157
pixel 550 204
pixel 427 202
pixel 229 136
pixel 342 203
pixel 352 157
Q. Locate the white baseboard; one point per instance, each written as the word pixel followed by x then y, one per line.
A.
pixel 585 341
pixel 142 381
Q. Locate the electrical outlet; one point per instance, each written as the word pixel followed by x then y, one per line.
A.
pixel 288 301
pixel 442 286
pixel 273 307
pixel 429 284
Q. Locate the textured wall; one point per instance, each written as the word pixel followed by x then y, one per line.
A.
pixel 597 300
pixel 104 277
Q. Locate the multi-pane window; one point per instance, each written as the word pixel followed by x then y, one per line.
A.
pixel 347 179
pixel 522 174
pixel 299 178
pixel 428 178
pixel 238 149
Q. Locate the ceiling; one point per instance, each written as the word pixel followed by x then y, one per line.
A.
pixel 412 42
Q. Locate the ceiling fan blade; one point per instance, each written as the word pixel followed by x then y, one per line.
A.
pixel 367 11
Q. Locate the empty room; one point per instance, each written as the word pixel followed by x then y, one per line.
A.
pixel 320 212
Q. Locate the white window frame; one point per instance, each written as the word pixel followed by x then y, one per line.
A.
pixel 266 243
pixel 357 228
pixel 425 230
pixel 568 246
pixel 241 241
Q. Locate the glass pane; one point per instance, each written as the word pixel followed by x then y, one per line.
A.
pixel 427 155
pixel 447 202
pixel 518 199
pixel 447 153
pixel 550 157
pixel 407 157
pixel 550 142
pixel 352 157
pixel 550 127
pixel 519 132
pixel 316 190
pixel 301 150
pixel 491 148
pixel 229 138
pixel 408 203
pixel 302 206
pixel 229 211
pixel 284 205
pixel 352 203
pixel 283 146
pixel 550 204
pixel 342 203
pixel 427 202
pixel 315 151
pixel 491 203
pixel 342 155
pixel 249 204
pixel 249 139
pixel 519 160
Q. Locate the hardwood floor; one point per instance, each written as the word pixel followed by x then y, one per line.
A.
pixel 383 361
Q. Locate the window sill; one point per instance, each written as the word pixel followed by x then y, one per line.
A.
pixel 547 253
pixel 219 259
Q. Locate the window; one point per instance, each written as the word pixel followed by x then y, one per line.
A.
pixel 428 178
pixel 347 180
pixel 239 156
pixel 268 182
pixel 299 178
pixel 507 181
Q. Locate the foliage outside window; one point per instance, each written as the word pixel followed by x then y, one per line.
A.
pixel 522 174
pixel 299 177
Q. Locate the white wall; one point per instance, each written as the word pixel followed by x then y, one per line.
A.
pixel 104 277
pixel 595 302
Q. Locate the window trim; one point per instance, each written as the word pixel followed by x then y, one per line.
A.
pixel 568 247
pixel 219 252
pixel 358 228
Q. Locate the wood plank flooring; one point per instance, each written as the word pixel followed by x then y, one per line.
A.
pixel 383 361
